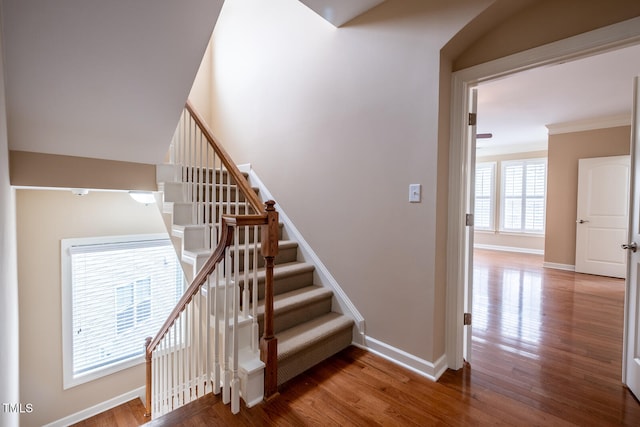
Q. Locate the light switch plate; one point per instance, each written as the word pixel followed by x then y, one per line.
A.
pixel 415 193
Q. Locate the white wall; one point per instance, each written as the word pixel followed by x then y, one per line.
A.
pixel 338 123
pixel 9 342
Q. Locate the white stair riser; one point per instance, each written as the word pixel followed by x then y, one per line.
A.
pixel 165 173
pixel 183 214
pixel 175 192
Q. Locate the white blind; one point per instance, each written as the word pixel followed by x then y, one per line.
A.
pixel 484 196
pixel 121 293
pixel 523 195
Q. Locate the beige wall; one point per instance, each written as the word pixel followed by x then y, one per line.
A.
pixel 9 332
pixel 202 89
pixel 543 22
pixel 50 170
pixel 562 187
pixel 338 123
pixel 509 240
pixel 44 218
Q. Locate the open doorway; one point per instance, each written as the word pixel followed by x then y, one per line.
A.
pixel 461 155
pixel 517 303
pixel 541 328
pixel 529 311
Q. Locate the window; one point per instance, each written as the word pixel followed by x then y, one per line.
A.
pixel 485 196
pixel 523 195
pixel 116 291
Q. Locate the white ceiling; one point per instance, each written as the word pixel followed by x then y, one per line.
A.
pixel 593 91
pixel 108 79
pixel 101 79
pixel 339 12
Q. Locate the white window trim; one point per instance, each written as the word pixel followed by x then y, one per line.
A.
pixel 66 304
pixel 521 232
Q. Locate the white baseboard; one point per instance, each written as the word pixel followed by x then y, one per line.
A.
pixel 427 369
pixel 344 304
pixel 509 249
pixel 430 370
pixel 99 408
pixel 556 266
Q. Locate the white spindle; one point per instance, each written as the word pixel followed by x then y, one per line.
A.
pixel 216 331
pixel 176 387
pixel 226 375
pixel 235 383
pixel 207 358
pixel 188 347
pixel 255 330
pixel 200 352
pixel 245 274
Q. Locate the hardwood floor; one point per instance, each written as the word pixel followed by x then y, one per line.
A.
pixel 546 351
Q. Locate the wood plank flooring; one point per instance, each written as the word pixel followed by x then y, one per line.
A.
pixel 547 351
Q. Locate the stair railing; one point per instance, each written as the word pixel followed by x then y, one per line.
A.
pixel 197 350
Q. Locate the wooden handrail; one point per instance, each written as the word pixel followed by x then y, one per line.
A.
pixel 228 222
pixel 266 217
pixel 250 195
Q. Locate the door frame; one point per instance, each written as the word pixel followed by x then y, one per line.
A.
pixel 623 34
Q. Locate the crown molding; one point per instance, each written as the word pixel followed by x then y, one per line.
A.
pixel 590 124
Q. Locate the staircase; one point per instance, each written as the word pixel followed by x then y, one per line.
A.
pixel 305 325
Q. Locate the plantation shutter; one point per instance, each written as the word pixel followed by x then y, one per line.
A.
pixel 484 196
pixel 523 195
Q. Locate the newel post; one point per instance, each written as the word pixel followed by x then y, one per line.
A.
pixel 268 342
pixel 147 412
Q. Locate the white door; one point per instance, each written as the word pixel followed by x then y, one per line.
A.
pixel 471 194
pixel 602 215
pixel 631 355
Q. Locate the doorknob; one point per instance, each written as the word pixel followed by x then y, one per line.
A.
pixel 582 221
pixel 633 246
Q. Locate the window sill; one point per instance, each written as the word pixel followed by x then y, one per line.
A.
pixel 509 233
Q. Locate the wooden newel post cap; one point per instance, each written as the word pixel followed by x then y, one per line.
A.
pixel 270 205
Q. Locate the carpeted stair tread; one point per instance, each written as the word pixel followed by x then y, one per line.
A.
pixel 282 244
pixel 295 299
pixel 293 340
pixel 287 269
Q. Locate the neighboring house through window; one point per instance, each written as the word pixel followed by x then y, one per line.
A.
pixel 116 292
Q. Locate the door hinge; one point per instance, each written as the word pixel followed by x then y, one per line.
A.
pixel 467 319
pixel 469 220
pixel 473 119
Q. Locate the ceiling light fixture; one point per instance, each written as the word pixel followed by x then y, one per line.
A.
pixel 145 197
pixel 79 191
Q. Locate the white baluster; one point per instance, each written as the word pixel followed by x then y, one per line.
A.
pixel 255 330
pixel 235 383
pixel 188 348
pixel 245 274
pixel 226 376
pixel 180 354
pixel 216 330
pixel 173 377
pixel 207 354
